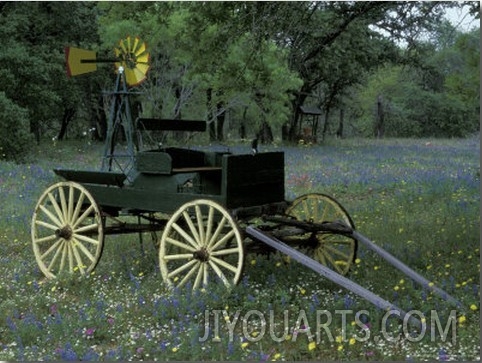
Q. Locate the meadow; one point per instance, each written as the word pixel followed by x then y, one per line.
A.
pixel 418 199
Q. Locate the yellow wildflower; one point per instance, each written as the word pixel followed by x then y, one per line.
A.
pixel 311 346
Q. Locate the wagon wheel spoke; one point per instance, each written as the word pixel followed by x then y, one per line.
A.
pixel 223 240
pixel 184 235
pixel 336 250
pixel 182 256
pixel 85 250
pixel 182 268
pixel 57 254
pixel 227 251
pixel 219 273
pixel 49 214
pixel 78 230
pixel 60 214
pixel 199 276
pixel 192 228
pixel 224 264
pixel 189 275
pixel 177 243
pixel 86 228
pixel 64 208
pixel 211 240
pixel 217 232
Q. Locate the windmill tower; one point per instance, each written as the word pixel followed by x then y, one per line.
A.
pixel 132 64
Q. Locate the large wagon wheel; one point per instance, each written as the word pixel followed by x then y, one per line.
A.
pixel 333 250
pixel 201 243
pixel 67 230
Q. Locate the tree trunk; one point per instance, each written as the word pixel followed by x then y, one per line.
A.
pixel 265 133
pixel 99 119
pixel 68 115
pixel 242 127
pixel 339 132
pixel 211 123
pixel 221 117
pixel 35 129
pixel 327 122
pixel 380 119
pixel 294 127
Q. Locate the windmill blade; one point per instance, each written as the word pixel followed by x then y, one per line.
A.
pixel 134 58
pixel 80 61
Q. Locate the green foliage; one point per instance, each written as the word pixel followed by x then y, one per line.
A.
pixel 436 96
pixel 257 61
pixel 33 72
pixel 15 137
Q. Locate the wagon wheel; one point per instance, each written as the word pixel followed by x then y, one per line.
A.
pixel 333 250
pixel 201 243
pixel 67 230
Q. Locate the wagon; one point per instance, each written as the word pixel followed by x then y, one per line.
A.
pixel 210 208
pixel 200 202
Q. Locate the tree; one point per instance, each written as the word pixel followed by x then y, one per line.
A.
pixel 33 71
pixel 15 137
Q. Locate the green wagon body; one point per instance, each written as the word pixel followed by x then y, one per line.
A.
pixel 165 179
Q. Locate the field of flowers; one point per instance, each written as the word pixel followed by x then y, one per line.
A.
pixel 418 199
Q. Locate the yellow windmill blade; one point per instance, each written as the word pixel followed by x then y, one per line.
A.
pixel 133 57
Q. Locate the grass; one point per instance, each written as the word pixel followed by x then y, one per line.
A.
pixel 418 199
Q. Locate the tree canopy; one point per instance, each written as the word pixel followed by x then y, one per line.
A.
pixel 250 65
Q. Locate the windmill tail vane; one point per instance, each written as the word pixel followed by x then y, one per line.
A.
pixel 131 54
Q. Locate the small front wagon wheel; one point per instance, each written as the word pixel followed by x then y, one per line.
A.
pixel 67 230
pixel 201 244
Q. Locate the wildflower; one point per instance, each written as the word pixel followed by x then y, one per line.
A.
pixel 277 356
pixel 352 341
pixel 89 333
pixel 357 261
pixel 473 307
pixel 340 348
pixel 175 349
pixel 312 345
pixel 244 345
pixel 401 282
pixel 396 288
pixel 338 339
pixel 253 262
pixel 462 319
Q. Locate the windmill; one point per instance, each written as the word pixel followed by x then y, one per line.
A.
pixel 131 64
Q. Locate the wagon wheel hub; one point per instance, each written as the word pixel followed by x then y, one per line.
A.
pixel 201 255
pixel 65 233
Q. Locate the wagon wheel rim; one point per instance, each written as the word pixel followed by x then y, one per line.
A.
pixel 67 230
pixel 201 243
pixel 332 250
